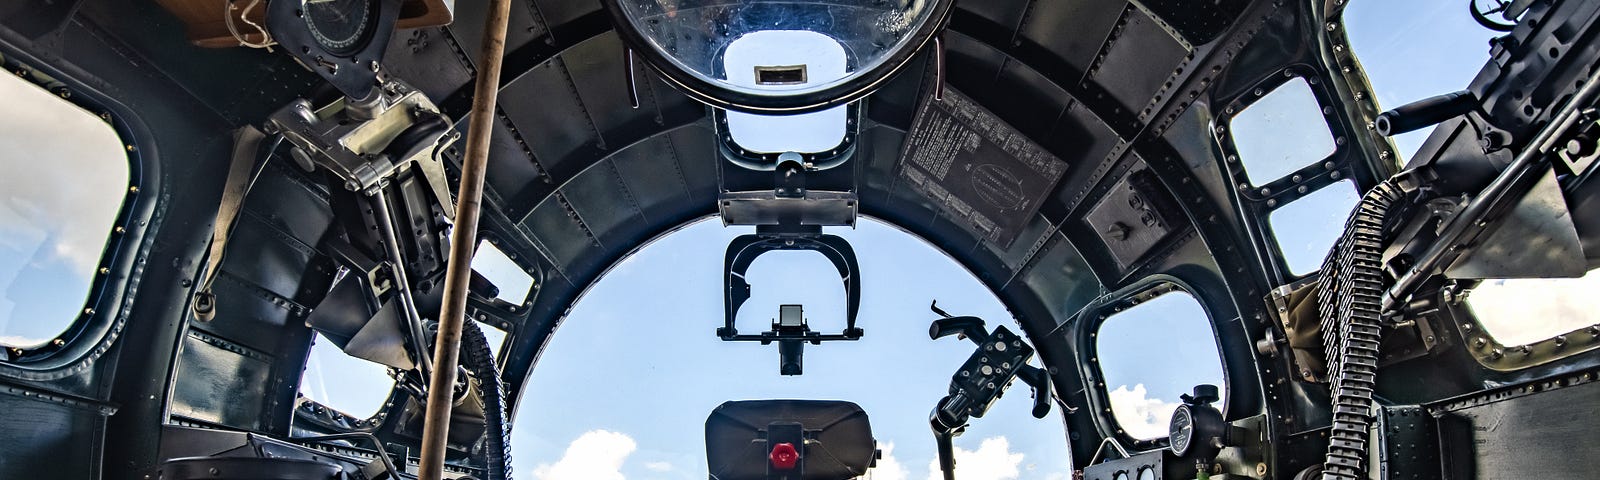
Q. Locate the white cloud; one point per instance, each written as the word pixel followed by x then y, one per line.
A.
pixel 992 460
pixel 595 455
pixel 658 466
pixel 1138 414
pixel 889 468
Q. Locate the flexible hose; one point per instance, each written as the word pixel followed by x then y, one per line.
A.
pixel 1350 304
pixel 479 361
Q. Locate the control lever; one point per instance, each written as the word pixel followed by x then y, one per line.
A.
pixel 1001 357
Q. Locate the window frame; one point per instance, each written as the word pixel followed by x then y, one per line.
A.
pixel 106 306
pixel 326 416
pixel 1271 232
pixel 1497 356
pixel 1111 305
pixel 1258 201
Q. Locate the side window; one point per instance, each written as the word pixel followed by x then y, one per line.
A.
pixel 1394 41
pixel 1306 228
pixel 1152 353
pixel 1281 132
pixel 513 282
pixel 1277 135
pixel 353 386
pixel 66 177
pixel 1518 312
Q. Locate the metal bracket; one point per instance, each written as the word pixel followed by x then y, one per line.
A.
pixel 746 248
pixel 365 144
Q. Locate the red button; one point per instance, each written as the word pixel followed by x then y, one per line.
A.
pixel 784 456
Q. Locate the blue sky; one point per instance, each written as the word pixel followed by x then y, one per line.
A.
pixel 638 355
pixel 623 390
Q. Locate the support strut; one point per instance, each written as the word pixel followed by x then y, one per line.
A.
pixel 458 272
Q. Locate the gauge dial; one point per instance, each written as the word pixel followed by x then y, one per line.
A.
pixel 1180 431
pixel 340 26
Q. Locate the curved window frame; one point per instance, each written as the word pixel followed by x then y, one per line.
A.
pixel 1109 307
pixel 847 90
pixel 328 417
pixel 1494 355
pixel 105 309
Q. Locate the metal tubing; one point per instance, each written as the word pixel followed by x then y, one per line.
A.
pixel 938 67
pixel 402 286
pixel 458 272
pixel 633 87
pixel 1505 187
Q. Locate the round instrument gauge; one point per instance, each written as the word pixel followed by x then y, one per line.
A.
pixel 1180 431
pixel 1147 473
pixel 340 26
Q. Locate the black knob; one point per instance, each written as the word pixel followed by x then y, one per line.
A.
pixel 1205 393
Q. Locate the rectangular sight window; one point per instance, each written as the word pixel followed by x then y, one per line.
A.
pixel 790 316
pixel 780 75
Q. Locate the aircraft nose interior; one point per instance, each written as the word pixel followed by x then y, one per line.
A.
pixel 1387 263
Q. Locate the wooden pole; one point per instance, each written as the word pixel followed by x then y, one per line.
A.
pixel 436 421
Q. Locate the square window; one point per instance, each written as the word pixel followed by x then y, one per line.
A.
pixel 513 282
pixel 1307 227
pixel 1281 133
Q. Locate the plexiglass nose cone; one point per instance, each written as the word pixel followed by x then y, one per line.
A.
pixel 777 56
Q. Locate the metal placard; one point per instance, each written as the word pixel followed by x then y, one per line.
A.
pixel 983 173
